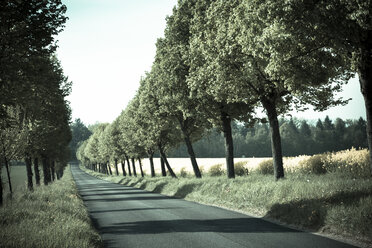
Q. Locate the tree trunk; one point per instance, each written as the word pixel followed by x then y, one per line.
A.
pixel 59 172
pixel 152 168
pixel 129 170
pixel 162 154
pixel 53 170
pixel 37 171
pixel 30 185
pixel 365 80
pixel 276 146
pixel 109 167
pixel 134 168
pixel 46 170
pixel 8 174
pixel 190 150
pixel 1 187
pixel 162 165
pixel 104 168
pixel 140 165
pixel 123 168
pixel 116 167
pixel 229 147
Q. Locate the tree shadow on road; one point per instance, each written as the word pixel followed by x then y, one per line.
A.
pixel 184 190
pixel 158 188
pixel 130 209
pixel 234 225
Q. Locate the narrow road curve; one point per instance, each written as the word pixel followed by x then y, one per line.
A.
pixel 129 217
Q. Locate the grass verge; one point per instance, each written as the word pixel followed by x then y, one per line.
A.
pixel 51 216
pixel 329 203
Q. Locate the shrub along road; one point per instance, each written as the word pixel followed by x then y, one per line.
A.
pixel 130 217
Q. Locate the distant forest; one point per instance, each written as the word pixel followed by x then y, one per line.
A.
pixel 299 137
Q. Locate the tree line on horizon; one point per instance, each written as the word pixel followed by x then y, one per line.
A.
pixel 222 61
pixel 34 114
pixel 299 137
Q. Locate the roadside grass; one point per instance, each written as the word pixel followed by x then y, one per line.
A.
pixel 337 201
pixel 51 216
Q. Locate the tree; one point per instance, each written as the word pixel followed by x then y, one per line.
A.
pixel 328 125
pixel 104 150
pixel 11 145
pixel 343 28
pixel 268 66
pixel 28 29
pixel 92 149
pixel 358 133
pixel 29 73
pixel 213 71
pixel 305 130
pixel 162 132
pixel 79 133
pixel 122 141
pixel 172 56
pixel 112 137
pixel 291 139
pixel 340 134
pixel 47 133
pixel 80 154
pixel 306 136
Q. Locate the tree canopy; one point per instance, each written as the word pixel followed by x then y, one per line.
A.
pixel 225 61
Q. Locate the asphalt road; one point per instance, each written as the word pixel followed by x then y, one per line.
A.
pixel 129 217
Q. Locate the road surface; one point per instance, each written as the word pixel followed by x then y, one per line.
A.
pixel 129 217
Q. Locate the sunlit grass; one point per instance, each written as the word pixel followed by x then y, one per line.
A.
pixel 51 216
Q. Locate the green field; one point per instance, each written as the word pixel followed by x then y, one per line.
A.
pixel 18 178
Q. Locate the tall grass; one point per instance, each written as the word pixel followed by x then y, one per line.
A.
pixel 349 163
pixel 51 216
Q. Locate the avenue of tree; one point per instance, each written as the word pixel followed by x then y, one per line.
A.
pixel 221 62
pixel 34 115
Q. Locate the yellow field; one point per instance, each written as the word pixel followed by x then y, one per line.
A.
pixel 353 161
pixel 205 163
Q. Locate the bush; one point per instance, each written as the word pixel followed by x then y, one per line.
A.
pixel 240 169
pixel 183 172
pixel 266 167
pixel 202 170
pixel 216 170
pixel 350 162
pixel 313 165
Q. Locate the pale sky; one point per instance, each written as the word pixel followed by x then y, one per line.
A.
pixel 107 45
